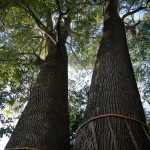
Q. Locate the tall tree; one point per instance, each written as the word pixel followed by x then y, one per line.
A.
pixel 44 124
pixel 114 117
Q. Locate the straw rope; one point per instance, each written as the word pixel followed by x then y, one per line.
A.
pixel 111 129
pixel 111 115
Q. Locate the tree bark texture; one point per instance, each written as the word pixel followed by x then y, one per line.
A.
pixel 44 123
pixel 113 91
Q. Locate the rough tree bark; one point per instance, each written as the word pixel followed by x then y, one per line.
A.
pixel 44 123
pixel 113 91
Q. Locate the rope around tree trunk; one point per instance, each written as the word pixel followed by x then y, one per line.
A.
pixel 111 129
pixel 111 115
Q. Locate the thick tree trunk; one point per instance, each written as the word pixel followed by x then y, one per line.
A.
pixel 113 91
pixel 44 123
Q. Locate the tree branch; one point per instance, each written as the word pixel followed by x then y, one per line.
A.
pixel 59 18
pixel 63 24
pixel 136 24
pixel 38 22
pixel 58 5
pixel 28 10
pixel 50 29
pixel 132 28
pixel 131 6
pixel 133 12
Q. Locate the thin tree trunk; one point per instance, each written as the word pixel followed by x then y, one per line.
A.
pixel 113 91
pixel 44 123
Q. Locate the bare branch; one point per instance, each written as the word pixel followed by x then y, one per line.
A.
pixel 131 6
pixel 133 12
pixel 136 24
pixel 132 28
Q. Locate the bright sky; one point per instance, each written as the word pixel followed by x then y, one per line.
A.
pixel 3 142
